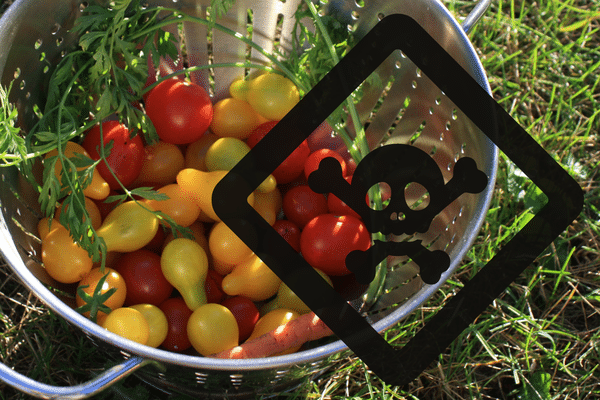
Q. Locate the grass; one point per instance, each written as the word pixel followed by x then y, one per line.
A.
pixel 541 338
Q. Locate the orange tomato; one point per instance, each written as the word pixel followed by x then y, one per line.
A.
pixel 63 258
pixel 180 205
pixel 113 280
pixel 161 164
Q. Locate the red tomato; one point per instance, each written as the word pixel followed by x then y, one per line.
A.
pixel 293 165
pixel 214 290
pixel 289 231
pixel 143 276
pixel 126 156
pixel 177 314
pixel 312 162
pixel 328 239
pixel 301 204
pixel 245 312
pixel 180 111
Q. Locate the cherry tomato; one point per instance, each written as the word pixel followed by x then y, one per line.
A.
pixel 327 239
pixel 245 312
pixel 301 204
pixel 156 320
pixel 312 162
pixel 113 280
pixel 289 231
pixel 144 278
pixel 293 165
pixel 224 123
pixel 212 328
pixel 161 164
pixel 213 287
pixel 270 94
pixel 128 323
pixel 126 156
pixel 177 314
pixel 180 111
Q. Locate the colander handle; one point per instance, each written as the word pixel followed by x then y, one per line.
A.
pixel 81 391
pixel 475 15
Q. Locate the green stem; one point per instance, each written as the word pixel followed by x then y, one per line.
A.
pixel 358 148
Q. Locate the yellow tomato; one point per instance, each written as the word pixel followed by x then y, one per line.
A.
pixel 185 265
pixel 197 229
pixel 128 323
pixel 212 328
pixel 180 205
pixel 253 279
pixel 201 185
pixel 113 280
pixel 268 204
pixel 129 227
pixel 157 322
pixel 234 118
pixel 63 259
pixel 225 246
pixel 270 95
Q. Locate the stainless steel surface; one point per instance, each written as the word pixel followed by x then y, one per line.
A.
pixel 32 30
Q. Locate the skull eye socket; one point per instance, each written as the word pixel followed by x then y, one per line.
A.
pixel 384 190
pixel 416 195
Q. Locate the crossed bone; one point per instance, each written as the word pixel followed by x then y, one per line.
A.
pixel 398 165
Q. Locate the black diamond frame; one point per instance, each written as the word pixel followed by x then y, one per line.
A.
pixel 399 366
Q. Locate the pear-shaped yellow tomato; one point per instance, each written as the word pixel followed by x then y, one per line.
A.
pixel 157 322
pixel 128 323
pixel 212 328
pixel 268 204
pixel 129 227
pixel 180 205
pixel 234 118
pixel 225 246
pixel 270 95
pixel 63 259
pixel 253 279
pixel 185 265
pixel 271 321
pixel 200 185
pixel 98 189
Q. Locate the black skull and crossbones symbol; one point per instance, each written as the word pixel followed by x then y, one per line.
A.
pixel 398 165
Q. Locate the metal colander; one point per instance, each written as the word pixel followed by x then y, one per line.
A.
pixel 400 106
